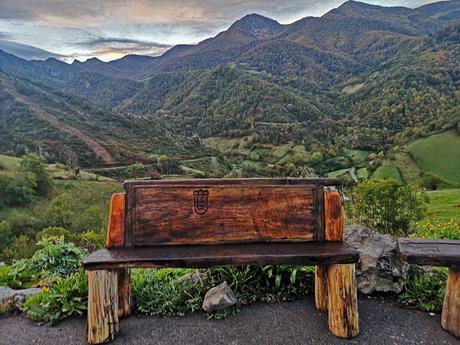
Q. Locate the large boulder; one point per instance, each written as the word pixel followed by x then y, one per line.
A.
pixel 218 298
pixel 380 269
pixel 13 299
pixel 195 278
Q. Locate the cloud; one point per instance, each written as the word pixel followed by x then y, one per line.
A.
pixel 26 51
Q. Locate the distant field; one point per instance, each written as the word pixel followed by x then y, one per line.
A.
pixel 440 154
pixel 9 162
pixel 408 168
pixel 444 205
pixel 356 156
pixel 388 169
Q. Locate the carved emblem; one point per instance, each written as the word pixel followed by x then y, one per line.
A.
pixel 200 201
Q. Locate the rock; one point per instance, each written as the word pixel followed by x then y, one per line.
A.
pixel 194 278
pixel 13 299
pixel 380 269
pixel 218 298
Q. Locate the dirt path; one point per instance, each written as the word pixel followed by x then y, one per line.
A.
pixel 100 150
pixel 381 322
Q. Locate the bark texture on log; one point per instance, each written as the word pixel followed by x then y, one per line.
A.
pixel 321 287
pixel 333 216
pixel 124 292
pixel 450 320
pixel 342 305
pixel 102 306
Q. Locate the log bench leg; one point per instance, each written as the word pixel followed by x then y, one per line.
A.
pixel 450 320
pixel 342 303
pixel 102 306
pixel 321 288
pixel 124 292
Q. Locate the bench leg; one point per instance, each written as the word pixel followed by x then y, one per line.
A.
pixel 342 301
pixel 321 287
pixel 450 320
pixel 102 306
pixel 124 292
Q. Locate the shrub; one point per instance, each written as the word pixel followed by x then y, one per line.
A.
pixel 387 206
pixel 432 181
pixel 36 165
pixel 67 297
pixel 23 247
pixel 18 276
pixel 57 257
pixel 135 170
pixel 447 230
pixel 60 212
pixel 89 240
pixel 157 292
pixel 16 189
pixel 425 289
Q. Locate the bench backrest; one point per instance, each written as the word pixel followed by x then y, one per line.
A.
pixel 178 212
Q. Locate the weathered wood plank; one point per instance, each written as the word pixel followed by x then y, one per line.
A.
pixel 450 320
pixel 237 181
pixel 333 216
pixel 430 252
pixel 102 306
pixel 221 214
pixel 342 304
pixel 196 256
pixel 116 229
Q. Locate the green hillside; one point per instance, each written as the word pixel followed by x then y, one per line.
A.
pixel 439 154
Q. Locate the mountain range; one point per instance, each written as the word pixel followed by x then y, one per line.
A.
pixel 360 77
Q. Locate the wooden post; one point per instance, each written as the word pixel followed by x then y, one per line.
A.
pixel 342 301
pixel 333 223
pixel 321 288
pixel 450 320
pixel 124 292
pixel 102 306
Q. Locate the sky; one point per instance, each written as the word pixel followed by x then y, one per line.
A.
pixel 110 29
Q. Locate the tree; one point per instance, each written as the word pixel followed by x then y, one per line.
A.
pixel 36 165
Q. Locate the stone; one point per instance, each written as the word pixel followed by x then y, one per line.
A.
pixel 379 269
pixel 13 299
pixel 194 278
pixel 218 298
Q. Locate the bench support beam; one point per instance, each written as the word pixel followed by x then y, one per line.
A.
pixel 342 301
pixel 321 287
pixel 450 320
pixel 124 292
pixel 102 306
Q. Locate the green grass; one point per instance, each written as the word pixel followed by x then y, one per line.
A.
pixel 439 154
pixel 9 162
pixel 408 168
pixel 356 156
pixel 338 173
pixel 444 205
pixel 388 169
pixel 362 173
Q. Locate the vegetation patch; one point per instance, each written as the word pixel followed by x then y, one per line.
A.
pixel 439 154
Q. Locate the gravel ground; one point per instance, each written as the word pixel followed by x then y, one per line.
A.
pixel 382 322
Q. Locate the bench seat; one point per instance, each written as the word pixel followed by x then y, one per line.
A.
pixel 202 256
pixel 430 252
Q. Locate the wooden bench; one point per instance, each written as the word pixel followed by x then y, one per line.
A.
pixel 214 222
pixel 439 253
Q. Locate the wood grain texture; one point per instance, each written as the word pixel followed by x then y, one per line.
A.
pixel 198 214
pixel 116 229
pixel 321 287
pixel 102 306
pixel 236 181
pixel 333 216
pixel 450 320
pixel 124 292
pixel 342 304
pixel 430 252
pixel 197 256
